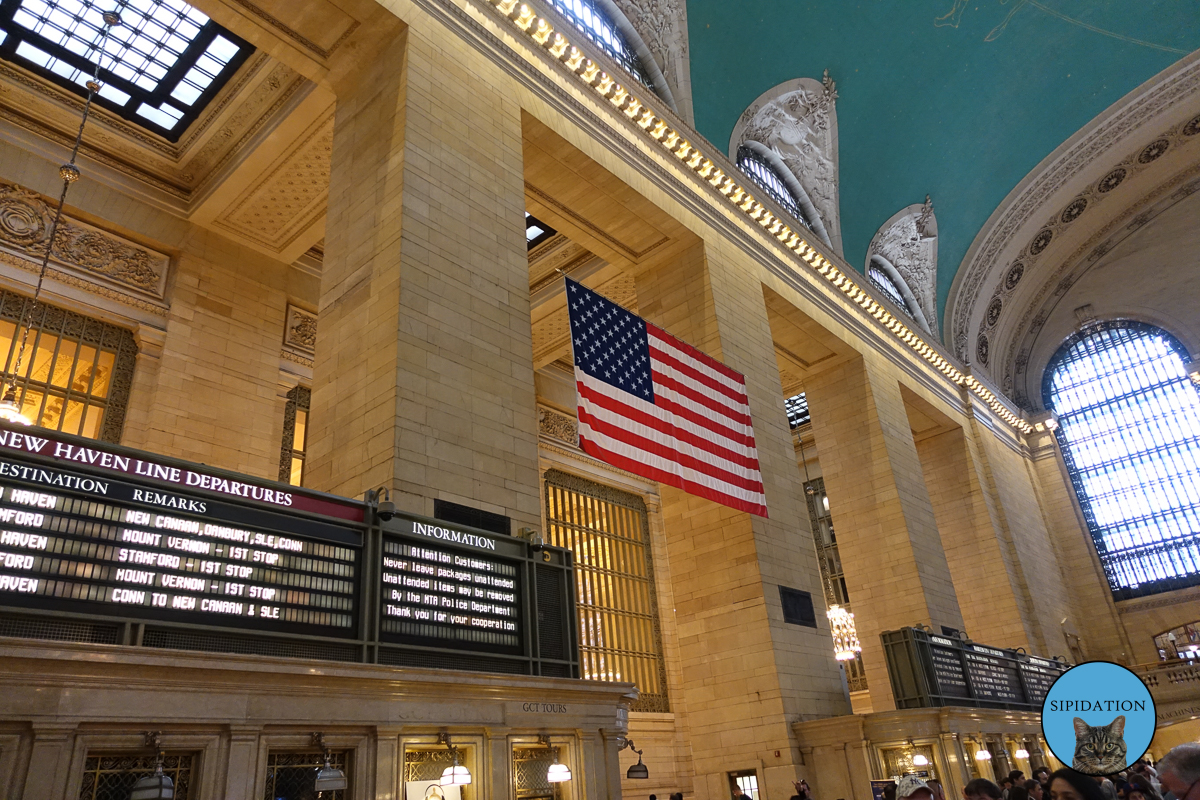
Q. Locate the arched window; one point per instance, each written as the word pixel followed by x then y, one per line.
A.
pixel 762 172
pixel 604 23
pixel 884 282
pixel 1129 428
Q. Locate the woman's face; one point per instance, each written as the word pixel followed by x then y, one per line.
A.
pixel 1136 794
pixel 1061 790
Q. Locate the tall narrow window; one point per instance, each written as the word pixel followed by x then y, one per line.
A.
pixel 608 532
pixel 833 579
pixel 797 410
pixel 76 372
pixel 295 436
pixel 1129 429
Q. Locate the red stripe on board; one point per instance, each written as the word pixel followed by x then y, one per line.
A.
pixel 614 405
pixel 669 478
pixel 703 358
pixel 669 453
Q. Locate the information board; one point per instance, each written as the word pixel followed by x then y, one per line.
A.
pixel 927 670
pixel 450 587
pixel 71 541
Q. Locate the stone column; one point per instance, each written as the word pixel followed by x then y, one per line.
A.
pixel 49 762
pixel 150 341
pixel 895 567
pixel 423 377
pixel 991 588
pixel 746 674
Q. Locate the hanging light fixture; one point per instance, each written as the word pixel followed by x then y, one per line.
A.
pixel 918 759
pixel 455 774
pixel 10 409
pixel 845 637
pixel 557 773
pixel 638 771
pixel 157 786
pixel 329 778
pixel 1021 753
pixel 982 754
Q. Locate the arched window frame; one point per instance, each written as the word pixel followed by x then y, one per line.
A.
pixel 883 274
pixel 764 166
pixel 1167 562
pixel 606 26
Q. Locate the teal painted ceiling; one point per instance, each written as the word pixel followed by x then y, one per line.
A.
pixel 955 99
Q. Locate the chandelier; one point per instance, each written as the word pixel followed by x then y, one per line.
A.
pixel 845 637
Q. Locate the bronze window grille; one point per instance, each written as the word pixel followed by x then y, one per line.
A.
pixel 290 776
pixel 111 776
pixel 609 533
pixel 76 373
pixel 295 436
pixel 833 580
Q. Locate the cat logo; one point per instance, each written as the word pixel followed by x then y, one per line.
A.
pixel 1098 717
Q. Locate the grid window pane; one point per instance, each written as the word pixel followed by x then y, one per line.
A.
pixel 67 372
pixel 111 776
pixel 295 436
pixel 797 410
pixel 161 49
pixel 595 24
pixel 1129 428
pixel 608 532
pixel 765 176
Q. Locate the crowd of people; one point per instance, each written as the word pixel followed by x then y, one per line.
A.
pixel 1175 777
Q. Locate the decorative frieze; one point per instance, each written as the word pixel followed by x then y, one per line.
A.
pixel 558 426
pixel 300 333
pixel 94 255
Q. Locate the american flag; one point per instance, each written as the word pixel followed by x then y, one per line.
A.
pixel 657 407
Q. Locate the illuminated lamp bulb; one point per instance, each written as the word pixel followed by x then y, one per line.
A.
pixel 845 637
pixel 10 411
pixel 455 774
pixel 920 760
pixel 982 754
pixel 1022 753
pixel 557 773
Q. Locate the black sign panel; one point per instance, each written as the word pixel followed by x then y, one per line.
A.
pixel 451 588
pixel 948 668
pixel 71 541
pixel 927 670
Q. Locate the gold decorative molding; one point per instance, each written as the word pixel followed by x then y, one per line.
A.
pixel 300 332
pixel 295 358
pixel 558 425
pixel 289 198
pixel 88 253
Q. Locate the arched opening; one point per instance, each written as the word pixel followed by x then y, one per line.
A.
pixel 1129 429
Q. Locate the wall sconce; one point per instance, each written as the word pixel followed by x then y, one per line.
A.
pixel 156 786
pixel 982 753
pixel 455 774
pixel 557 773
pixel 638 771
pixel 329 779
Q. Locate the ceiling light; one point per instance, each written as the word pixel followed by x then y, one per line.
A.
pixel 919 760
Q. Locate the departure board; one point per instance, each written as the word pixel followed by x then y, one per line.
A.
pixel 82 542
pixel 928 670
pixel 462 596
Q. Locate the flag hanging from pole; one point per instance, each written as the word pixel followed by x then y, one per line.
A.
pixel 658 407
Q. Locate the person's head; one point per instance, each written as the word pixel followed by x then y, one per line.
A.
pixel 939 792
pixel 913 788
pixel 981 789
pixel 676 795
pixel 1042 776
pixel 653 797
pixel 1006 783
pixel 1017 777
pixel 889 791
pixel 1034 789
pixel 1017 792
pixel 1067 784
pixel 1179 771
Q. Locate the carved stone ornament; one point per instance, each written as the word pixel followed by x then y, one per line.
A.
pixel 662 24
pixel 909 243
pixel 558 425
pixel 301 330
pixel 25 220
pixel 798 120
